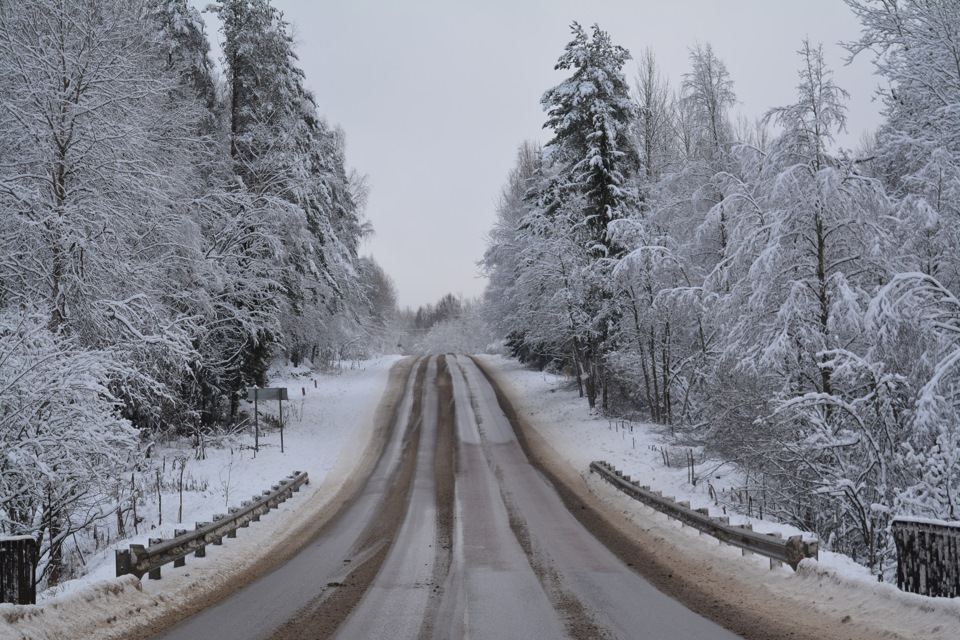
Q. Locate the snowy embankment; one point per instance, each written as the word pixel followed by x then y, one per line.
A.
pixel 834 585
pixel 327 429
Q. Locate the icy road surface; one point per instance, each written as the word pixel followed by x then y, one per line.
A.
pixel 454 535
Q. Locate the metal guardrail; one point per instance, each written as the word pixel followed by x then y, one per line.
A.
pixel 791 551
pixel 139 560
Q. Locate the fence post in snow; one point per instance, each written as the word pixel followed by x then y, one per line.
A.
pixel 18 562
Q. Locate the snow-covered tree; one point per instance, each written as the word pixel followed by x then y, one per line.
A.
pixel 917 153
pixel 63 439
pixel 594 161
pixel 809 244
pixel 293 163
pixel 94 157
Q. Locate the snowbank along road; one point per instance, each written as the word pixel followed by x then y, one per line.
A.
pixel 453 534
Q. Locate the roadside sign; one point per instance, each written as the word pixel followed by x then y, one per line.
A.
pixel 267 393
pixel 254 395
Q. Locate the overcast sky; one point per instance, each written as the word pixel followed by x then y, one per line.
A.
pixel 436 96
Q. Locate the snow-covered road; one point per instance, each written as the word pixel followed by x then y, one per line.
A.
pixel 499 556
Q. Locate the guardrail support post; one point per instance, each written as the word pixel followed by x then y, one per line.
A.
pixel 775 563
pixel 219 539
pixel 154 574
pixel 201 552
pixel 233 532
pixel 182 560
pixel 123 562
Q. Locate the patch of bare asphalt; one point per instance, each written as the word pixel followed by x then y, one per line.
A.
pixel 577 620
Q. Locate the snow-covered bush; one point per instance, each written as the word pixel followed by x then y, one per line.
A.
pixel 64 444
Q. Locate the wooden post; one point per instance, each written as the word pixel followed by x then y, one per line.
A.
pixel 281 423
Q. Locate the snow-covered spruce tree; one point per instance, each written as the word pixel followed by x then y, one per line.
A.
pixel 594 160
pixel 509 306
pixel 184 41
pixel 808 247
pixel 293 163
pixel 63 440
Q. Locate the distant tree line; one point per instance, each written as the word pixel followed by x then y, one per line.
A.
pixel 790 305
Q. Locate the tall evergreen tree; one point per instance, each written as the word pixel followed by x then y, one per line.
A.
pixel 594 162
pixel 293 165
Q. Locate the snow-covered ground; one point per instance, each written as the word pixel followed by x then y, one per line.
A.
pixel 833 584
pixel 327 430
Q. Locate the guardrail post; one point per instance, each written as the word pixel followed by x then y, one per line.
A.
pixel 182 560
pixel 749 527
pixel 233 532
pixel 123 562
pixel 201 552
pixel 775 563
pixel 219 539
pixel 154 574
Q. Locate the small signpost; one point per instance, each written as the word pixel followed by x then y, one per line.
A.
pixel 268 393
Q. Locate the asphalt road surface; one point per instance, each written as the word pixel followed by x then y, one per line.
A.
pixel 454 534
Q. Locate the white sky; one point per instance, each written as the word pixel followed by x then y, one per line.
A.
pixel 436 96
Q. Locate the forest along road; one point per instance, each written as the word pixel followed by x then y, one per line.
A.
pixel 453 535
